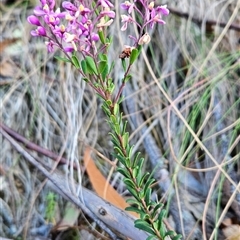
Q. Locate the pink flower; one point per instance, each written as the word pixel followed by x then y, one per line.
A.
pixel 108 13
pixel 83 10
pixel 95 37
pixel 68 49
pixel 34 20
pixel 69 6
pixel 59 31
pixel 73 29
pixel 40 31
pixel 156 15
pixel 126 19
pixel 50 45
pixel 105 3
pixel 127 6
pixel 162 10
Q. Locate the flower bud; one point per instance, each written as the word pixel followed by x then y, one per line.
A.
pixel 33 20
pixel 145 39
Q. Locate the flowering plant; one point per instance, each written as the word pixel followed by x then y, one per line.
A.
pixel 79 30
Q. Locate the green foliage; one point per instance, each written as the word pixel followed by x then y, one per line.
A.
pixel 50 207
pixel 133 56
pixel 63 59
pixel 139 184
pixel 91 66
pixel 103 69
pixel 102 37
pixel 75 62
pixel 124 65
pixel 127 78
pixel 84 67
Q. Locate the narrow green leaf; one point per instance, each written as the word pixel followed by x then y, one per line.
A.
pixel 129 183
pixel 125 139
pixel 108 102
pixel 113 119
pixel 147 195
pixel 139 49
pixel 118 150
pixel 161 216
pixel 133 192
pixel 128 162
pixel 117 128
pixel 111 87
pixel 63 59
pixel 75 61
pixel 132 201
pixel 100 96
pixel 144 226
pixel 148 183
pixel 140 163
pixel 170 233
pixel 95 9
pixel 133 209
pixel 104 73
pixel 109 40
pixel 120 158
pixel 151 237
pixel 155 225
pixel 102 65
pixel 133 56
pixel 85 79
pixel 127 78
pixel 103 57
pixel 141 194
pixel 129 151
pixel 136 159
pixel 84 66
pixel 111 67
pixel 91 64
pixel 124 127
pixel 123 172
pixel 121 99
pixel 162 230
pixel 177 237
pixel 139 176
pixel 102 37
pixel 156 209
pixel 114 137
pixel 116 109
pixel 135 171
pixel 106 110
pixel 140 179
pixel 124 65
pixel 144 215
pixel 115 143
pixel 97 85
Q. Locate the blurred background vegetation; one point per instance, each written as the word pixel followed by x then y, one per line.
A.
pixel 183 108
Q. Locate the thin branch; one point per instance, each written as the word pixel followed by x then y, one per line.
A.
pixel 32 146
pixel 208 22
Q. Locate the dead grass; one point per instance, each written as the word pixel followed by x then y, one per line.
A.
pixel 186 91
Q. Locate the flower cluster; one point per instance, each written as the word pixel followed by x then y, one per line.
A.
pixel 148 14
pixel 73 29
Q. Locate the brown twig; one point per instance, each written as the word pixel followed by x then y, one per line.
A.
pixel 208 22
pixel 32 146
